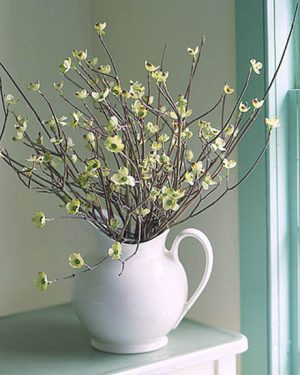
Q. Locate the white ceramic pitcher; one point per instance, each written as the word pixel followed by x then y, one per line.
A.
pixel 134 312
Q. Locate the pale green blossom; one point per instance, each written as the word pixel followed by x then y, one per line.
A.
pixel 152 128
pixel 159 76
pixel 66 65
pixel 188 155
pixel 218 144
pixel 156 146
pixel 112 124
pixel 123 177
pixel 189 177
pixel 76 260
pixel 114 144
pixel 83 94
pixel 80 55
pixel 243 107
pixel 10 99
pixel 115 252
pixel 207 182
pixel 34 86
pixel 100 27
pixel 229 164
pixel 58 86
pixel 272 123
pixel 193 52
pixel 228 90
pixel 104 69
pixel 39 219
pixel 229 130
pixel 256 66
pixel 142 212
pixel 41 281
pixel 257 103
pixel 139 109
pixel 150 67
pixel 73 206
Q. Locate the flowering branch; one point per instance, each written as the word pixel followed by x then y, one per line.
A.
pixel 137 173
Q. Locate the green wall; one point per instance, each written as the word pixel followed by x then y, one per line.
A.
pixel 35 37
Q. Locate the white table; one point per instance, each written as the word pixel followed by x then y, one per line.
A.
pixel 51 341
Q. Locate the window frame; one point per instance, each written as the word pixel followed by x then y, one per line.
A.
pixel 263 198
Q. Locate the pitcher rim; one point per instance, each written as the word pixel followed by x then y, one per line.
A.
pixel 165 232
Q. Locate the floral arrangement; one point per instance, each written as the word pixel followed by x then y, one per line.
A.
pixel 137 174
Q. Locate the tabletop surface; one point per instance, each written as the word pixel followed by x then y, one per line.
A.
pixel 52 341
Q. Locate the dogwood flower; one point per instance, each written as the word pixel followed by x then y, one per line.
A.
pixel 41 281
pixel 80 55
pixel 150 67
pixel 154 193
pixel 193 52
pixel 272 123
pixel 256 65
pixel 83 94
pixel 91 168
pixel 206 130
pixel 170 197
pixel 188 154
pixel 100 27
pixel 189 177
pixel 116 89
pixel 243 107
pixel 10 99
pixel 90 139
pixel 39 219
pixel 76 261
pixel 152 128
pixel 163 138
pixel 100 96
pixel 170 204
pixel 137 90
pixel 207 182
pixel 104 69
pixel 197 168
pixel 139 109
pixel 115 251
pixel 34 86
pixel 73 206
pixel 156 146
pixel 142 212
pixel 123 178
pixel 93 61
pixel 257 103
pixel 229 130
pixel 160 77
pixel 218 144
pixel 228 90
pixel 229 164
pixel 66 65
pixel 114 144
pixel 58 86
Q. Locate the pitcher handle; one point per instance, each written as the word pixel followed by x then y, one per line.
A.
pixel 201 237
